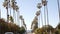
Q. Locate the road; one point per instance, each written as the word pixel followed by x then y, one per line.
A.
pixel 29 33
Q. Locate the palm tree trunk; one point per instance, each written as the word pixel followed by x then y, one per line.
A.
pixel 47 15
pixel 18 18
pixel 7 14
pixel 58 10
pixel 37 19
pixel 44 16
pixel 41 19
pixel 10 6
pixel 13 16
pixel 21 22
pixel 0 14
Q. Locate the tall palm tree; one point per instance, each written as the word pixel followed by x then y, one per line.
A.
pixel 10 7
pixel 39 7
pixel 34 24
pixel 58 9
pixel 0 14
pixel 41 19
pixel 37 14
pixel 10 17
pixel 44 4
pixel 24 25
pixel 5 4
pixel 23 22
pixel 13 5
pixel 17 10
pixel 47 15
pixel 21 17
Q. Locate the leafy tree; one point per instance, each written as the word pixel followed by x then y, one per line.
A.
pixel 22 30
pixel 43 30
pixel 10 27
pixel 58 26
pixel 38 31
pixel 57 31
pixel 48 28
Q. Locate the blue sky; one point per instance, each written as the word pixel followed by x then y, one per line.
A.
pixel 28 9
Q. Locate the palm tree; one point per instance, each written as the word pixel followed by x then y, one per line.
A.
pixel 39 7
pixel 24 25
pixel 0 14
pixel 34 24
pixel 10 7
pixel 13 5
pixel 21 19
pixel 10 17
pixel 17 8
pixel 5 4
pixel 47 15
pixel 58 9
pixel 44 2
pixel 37 14
pixel 22 22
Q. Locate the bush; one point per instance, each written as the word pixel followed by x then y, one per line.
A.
pixel 10 27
